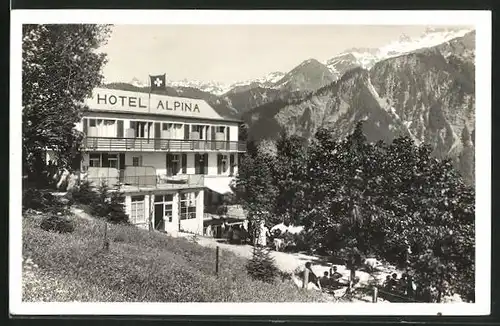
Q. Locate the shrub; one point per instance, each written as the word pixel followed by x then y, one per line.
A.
pixel 116 209
pixel 261 266
pixel 109 205
pixel 44 201
pixel 57 224
pixel 84 194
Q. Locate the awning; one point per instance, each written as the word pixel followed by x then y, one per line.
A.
pixel 220 186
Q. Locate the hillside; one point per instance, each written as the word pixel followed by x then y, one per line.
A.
pixel 140 266
pixel 427 94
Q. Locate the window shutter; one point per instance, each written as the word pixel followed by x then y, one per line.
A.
pixel 219 164
pixel 119 129
pixel 105 162
pixel 213 136
pixel 184 163
pixel 227 133
pixel 157 135
pixel 205 161
pixel 186 131
pixel 85 123
pixel 197 167
pixel 231 164
pixel 122 161
pixel 169 164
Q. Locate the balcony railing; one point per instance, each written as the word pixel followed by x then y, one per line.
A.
pixel 130 181
pixel 160 144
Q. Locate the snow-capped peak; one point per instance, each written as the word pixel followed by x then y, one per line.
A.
pixel 367 57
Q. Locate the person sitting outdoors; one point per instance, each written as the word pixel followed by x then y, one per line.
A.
pixel 402 286
pixel 335 276
pixel 387 283
pixel 393 283
pixel 325 281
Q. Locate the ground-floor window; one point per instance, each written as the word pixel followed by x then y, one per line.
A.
pixel 137 209
pixel 107 160
pixel 188 206
pixel 95 160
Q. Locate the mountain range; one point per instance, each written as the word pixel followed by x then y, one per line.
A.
pixel 423 88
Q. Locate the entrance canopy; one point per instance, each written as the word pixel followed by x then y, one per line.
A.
pixel 220 186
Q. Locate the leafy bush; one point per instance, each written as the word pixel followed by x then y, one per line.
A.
pixel 261 266
pixel 43 201
pixel 57 224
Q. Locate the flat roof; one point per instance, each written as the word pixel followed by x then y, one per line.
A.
pixel 119 101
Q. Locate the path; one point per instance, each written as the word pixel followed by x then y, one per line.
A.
pixel 288 262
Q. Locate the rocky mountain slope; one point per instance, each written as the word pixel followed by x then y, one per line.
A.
pixel 427 94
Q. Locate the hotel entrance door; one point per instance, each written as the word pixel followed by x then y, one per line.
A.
pixel 163 212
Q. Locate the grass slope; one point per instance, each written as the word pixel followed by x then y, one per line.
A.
pixel 140 266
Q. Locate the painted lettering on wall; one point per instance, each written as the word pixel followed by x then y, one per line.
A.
pixel 139 102
pixel 177 106
pixel 134 102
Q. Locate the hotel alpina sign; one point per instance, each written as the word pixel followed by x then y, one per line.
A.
pixel 104 99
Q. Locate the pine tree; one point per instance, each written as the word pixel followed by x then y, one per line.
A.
pixel 116 209
pixel 262 266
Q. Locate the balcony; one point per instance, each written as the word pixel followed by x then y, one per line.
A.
pixel 141 179
pixel 115 144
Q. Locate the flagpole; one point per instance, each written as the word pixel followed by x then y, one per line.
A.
pixel 149 97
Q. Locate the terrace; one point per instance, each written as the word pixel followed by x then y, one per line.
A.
pixel 141 178
pixel 160 144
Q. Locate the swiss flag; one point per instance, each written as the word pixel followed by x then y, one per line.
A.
pixel 157 82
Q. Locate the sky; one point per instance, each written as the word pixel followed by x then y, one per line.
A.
pixel 229 53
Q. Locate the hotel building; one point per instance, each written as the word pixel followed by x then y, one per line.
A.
pixel 172 156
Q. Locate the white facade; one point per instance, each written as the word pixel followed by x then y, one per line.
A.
pixel 166 151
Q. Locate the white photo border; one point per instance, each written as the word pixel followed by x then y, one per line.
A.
pixel 481 20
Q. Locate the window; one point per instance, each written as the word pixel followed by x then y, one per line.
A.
pixel 221 129
pixel 142 129
pixel 167 126
pixel 137 210
pixel 92 122
pixel 173 164
pixel 95 160
pixel 106 160
pixel 201 163
pixel 188 206
pixel 113 161
pixel 168 212
pixel 222 164
pixel 136 161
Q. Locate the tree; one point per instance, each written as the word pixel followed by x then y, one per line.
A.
pixel 290 177
pixel 109 205
pixel 466 158
pixel 396 201
pixel 262 266
pixel 61 66
pixel 254 187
